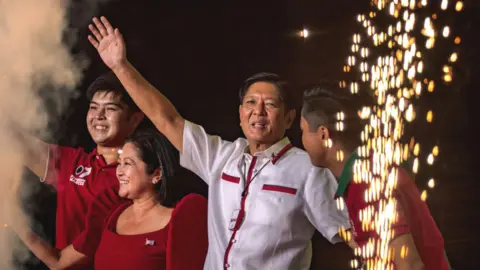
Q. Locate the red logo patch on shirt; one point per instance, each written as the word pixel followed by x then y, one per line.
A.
pixel 79 176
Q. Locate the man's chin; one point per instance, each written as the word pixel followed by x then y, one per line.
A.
pixel 101 141
pixel 259 135
pixel 105 141
pixel 260 140
pixel 98 136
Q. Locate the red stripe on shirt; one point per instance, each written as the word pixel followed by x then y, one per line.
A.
pixel 283 189
pixel 230 178
pixel 241 214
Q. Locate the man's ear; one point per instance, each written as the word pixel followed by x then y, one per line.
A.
pixel 290 117
pixel 323 133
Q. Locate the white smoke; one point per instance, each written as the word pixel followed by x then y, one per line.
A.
pixel 33 56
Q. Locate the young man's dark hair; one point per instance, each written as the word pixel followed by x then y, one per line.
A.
pixel 282 86
pixel 108 82
pixel 324 105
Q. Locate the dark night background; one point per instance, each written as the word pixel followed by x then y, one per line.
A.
pixel 199 52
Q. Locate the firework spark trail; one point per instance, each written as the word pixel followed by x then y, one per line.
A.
pixel 391 65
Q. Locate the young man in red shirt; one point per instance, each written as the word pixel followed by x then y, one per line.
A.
pixel 415 228
pixel 77 175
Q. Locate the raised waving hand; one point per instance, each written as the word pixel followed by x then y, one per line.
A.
pixel 108 41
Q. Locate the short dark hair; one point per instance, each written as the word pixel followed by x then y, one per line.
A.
pixel 321 107
pixel 157 152
pixel 283 87
pixel 109 82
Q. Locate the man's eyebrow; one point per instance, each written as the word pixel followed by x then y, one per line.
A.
pixel 120 105
pixel 114 104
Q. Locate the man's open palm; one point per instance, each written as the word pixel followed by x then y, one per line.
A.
pixel 108 42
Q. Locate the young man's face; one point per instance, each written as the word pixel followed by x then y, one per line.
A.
pixel 109 121
pixel 314 144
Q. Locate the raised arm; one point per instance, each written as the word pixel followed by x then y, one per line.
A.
pixel 111 48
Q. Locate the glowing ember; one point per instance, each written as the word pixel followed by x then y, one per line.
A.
pixel 304 33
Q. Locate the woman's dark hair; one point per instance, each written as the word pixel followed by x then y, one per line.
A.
pixel 157 152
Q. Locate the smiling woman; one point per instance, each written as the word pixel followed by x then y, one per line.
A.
pixel 146 160
pixel 146 233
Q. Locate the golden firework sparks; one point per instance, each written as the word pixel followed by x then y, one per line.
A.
pixel 396 75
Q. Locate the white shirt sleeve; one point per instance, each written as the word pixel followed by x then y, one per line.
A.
pixel 202 153
pixel 321 207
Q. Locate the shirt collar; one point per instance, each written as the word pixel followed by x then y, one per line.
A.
pixel 101 160
pixel 347 175
pixel 274 152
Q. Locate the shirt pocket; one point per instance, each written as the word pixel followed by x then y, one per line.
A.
pixel 230 178
pixel 274 205
pixel 281 189
pixel 229 192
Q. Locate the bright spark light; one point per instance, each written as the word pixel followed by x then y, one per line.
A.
pixel 453 57
pixel 446 31
pixel 459 6
pixel 444 4
pixel 304 33
pixel 390 63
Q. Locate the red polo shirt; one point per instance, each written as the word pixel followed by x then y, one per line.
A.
pixel 416 218
pixel 77 177
pixel 354 196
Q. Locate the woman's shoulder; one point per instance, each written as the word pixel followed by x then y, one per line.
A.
pixel 192 205
pixel 191 200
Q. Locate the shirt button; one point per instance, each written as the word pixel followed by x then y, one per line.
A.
pixel 227 265
pixel 234 241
